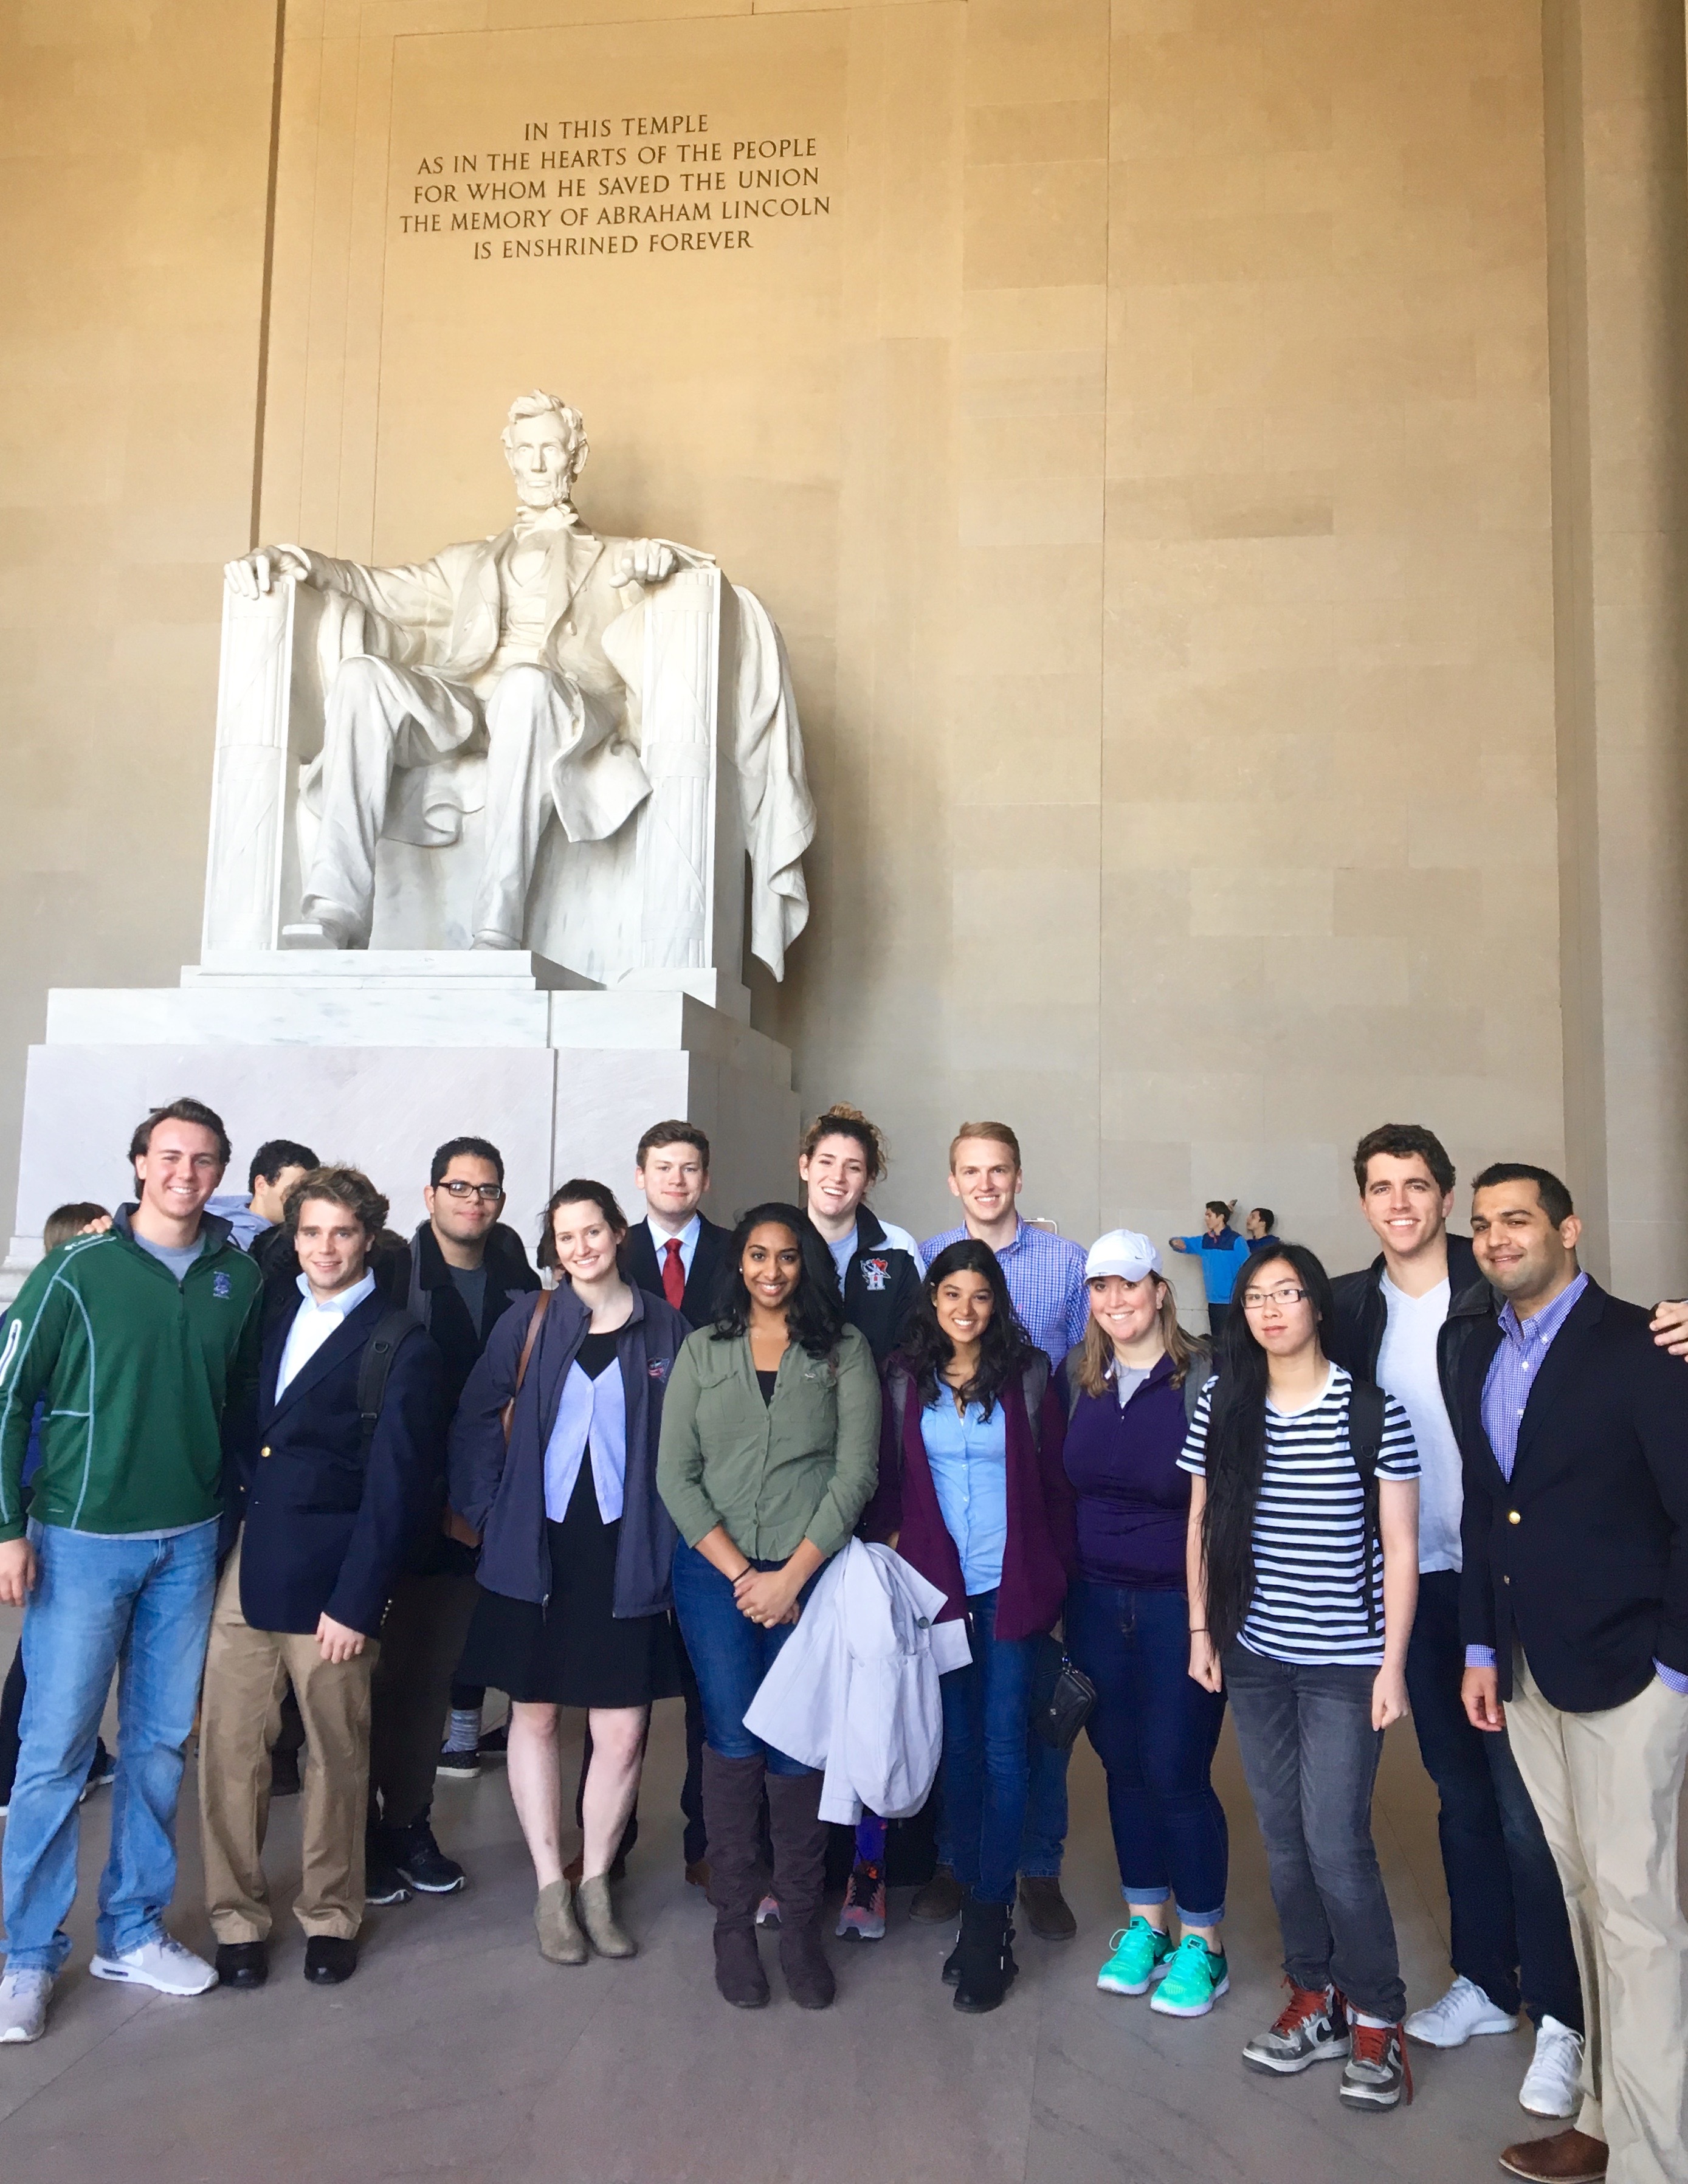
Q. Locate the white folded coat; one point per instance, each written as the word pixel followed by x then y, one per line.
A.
pixel 854 1689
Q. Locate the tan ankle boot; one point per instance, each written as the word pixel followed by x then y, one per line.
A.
pixel 560 1940
pixel 592 1904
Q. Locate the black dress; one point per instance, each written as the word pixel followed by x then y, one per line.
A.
pixel 574 1651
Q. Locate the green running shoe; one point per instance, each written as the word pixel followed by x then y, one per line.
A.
pixel 1141 1954
pixel 1194 1980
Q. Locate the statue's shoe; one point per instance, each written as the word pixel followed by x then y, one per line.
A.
pixel 495 940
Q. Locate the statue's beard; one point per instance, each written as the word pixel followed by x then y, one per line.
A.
pixel 536 493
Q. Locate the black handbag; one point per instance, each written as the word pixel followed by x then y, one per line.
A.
pixel 1062 1696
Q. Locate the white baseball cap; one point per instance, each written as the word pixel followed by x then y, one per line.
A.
pixel 1126 1252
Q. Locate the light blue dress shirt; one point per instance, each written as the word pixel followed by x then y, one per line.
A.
pixel 314 1323
pixel 968 1459
pixel 591 1417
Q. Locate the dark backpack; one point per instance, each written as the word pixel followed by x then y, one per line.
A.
pixel 376 1363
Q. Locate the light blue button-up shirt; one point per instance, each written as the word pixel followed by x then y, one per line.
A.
pixel 592 1416
pixel 968 1459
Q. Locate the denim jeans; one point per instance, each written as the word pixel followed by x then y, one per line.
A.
pixel 1155 1729
pixel 730 1655
pixel 987 1713
pixel 1507 1923
pixel 1310 1756
pixel 141 1607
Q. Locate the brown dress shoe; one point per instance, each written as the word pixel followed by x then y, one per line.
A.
pixel 1048 1913
pixel 1569 2156
pixel 938 1902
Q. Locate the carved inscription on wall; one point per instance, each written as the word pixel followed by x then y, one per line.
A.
pixel 615 185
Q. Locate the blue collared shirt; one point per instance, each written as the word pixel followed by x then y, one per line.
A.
pixel 1513 1372
pixel 968 1459
pixel 1045 1278
pixel 687 1240
pixel 312 1324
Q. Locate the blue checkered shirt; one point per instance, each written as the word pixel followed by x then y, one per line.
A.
pixel 1045 1278
pixel 1513 1371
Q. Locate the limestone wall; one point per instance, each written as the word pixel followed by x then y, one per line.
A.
pixel 1154 426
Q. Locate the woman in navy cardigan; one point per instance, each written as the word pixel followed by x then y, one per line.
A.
pixel 974 1494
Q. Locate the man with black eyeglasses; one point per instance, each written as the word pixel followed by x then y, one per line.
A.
pixel 465 1269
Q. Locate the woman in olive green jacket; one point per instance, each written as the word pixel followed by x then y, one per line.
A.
pixel 769 1454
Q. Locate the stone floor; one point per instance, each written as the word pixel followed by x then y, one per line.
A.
pixel 458 2052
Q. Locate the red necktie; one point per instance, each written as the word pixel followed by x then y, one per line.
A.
pixel 673 1273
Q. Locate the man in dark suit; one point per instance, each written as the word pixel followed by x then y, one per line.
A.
pixel 675 1251
pixel 461 1273
pixel 325 1508
pixel 1574 1606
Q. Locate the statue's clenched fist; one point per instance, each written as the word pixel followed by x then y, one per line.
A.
pixel 255 574
pixel 643 561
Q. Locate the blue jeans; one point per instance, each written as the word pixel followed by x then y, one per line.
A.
pixel 1309 1758
pixel 987 1714
pixel 1507 1923
pixel 729 1656
pixel 1155 1729
pixel 140 1607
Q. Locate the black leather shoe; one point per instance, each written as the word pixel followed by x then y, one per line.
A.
pixel 330 1960
pixel 242 1963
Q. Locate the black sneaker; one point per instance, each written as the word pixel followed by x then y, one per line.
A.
pixel 421 1862
pixel 457 1766
pixel 495 1744
pixel 383 1883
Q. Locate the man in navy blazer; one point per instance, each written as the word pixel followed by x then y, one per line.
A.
pixel 326 1510
pixel 677 1251
pixel 1574 1431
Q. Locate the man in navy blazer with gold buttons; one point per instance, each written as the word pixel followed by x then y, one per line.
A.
pixel 328 1511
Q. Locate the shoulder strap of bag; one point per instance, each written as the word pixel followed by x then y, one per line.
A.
pixel 373 1368
pixel 1195 1379
pixel 542 1305
pixel 1365 1446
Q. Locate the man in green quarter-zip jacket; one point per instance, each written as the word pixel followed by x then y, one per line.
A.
pixel 144 1343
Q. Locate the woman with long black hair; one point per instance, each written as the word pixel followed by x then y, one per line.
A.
pixel 1303 1576
pixel 768 1457
pixel 973 1495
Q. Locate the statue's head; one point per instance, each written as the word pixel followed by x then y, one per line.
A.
pixel 544 443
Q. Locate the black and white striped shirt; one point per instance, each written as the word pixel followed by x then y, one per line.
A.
pixel 1309 1604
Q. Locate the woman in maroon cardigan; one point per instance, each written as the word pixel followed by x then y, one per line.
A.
pixel 973 1493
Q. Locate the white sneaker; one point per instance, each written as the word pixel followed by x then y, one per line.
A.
pixel 1462 2011
pixel 161 1962
pixel 1550 2087
pixel 23 2004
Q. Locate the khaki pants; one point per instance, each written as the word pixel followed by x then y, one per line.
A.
pixel 246 1673
pixel 1609 1789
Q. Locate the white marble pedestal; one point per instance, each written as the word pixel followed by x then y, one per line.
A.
pixel 376 1057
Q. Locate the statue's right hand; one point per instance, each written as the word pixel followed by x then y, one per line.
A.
pixel 255 574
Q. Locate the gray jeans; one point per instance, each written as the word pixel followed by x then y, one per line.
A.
pixel 1310 1755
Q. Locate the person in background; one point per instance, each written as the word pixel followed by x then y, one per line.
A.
pixel 578 1549
pixel 464 1270
pixel 1258 1224
pixel 1574 1607
pixel 260 1219
pixel 81 1218
pixel 325 1512
pixel 1045 1278
pixel 972 1495
pixel 1222 1255
pixel 842 1156
pixel 677 1252
pixel 1405 1322
pixel 1129 1388
pixel 1301 1606
pixel 116 1571
pixel 769 1454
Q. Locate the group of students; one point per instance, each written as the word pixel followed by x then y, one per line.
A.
pixel 623 1487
